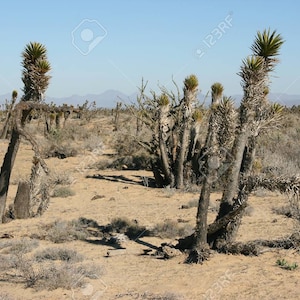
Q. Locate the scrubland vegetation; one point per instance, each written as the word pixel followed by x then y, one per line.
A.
pixel 231 149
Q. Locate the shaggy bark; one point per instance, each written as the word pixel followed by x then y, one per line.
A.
pixel 187 112
pixel 8 118
pixel 21 112
pixel 211 161
pixel 22 201
pixel 7 165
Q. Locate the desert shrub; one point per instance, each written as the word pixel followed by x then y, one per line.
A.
pixel 7 262
pixel 51 275
pixel 62 178
pixel 190 204
pixel 169 192
pixel 62 231
pixel 125 143
pixel 23 245
pixel 282 263
pixel 132 162
pixel 94 143
pixel 67 275
pixel 290 211
pixel 4 296
pixel 102 165
pixel 283 210
pixel 59 151
pixel 62 254
pixel 171 229
pixel 130 228
pixel 279 151
pixel 63 192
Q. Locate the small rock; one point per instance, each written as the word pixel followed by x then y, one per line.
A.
pixel 98 197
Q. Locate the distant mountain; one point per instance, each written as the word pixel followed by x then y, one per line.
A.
pixel 109 98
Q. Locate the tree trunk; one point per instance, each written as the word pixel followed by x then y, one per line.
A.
pixel 182 157
pixel 162 138
pixel 9 160
pixel 233 171
pixel 187 111
pixel 228 234
pixel 22 201
pixel 8 119
pixel 6 169
pixel 211 161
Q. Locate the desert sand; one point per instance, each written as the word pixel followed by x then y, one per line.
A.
pixel 129 275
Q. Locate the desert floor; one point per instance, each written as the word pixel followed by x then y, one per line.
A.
pixel 129 275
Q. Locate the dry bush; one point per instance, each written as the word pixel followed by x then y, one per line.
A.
pixel 67 276
pixel 129 227
pixel 279 150
pixel 60 151
pixel 169 192
pixel 191 204
pixel 61 178
pixel 165 296
pixel 52 275
pixel 140 161
pixel 23 246
pixel 289 211
pixel 171 229
pixel 63 192
pixel 63 231
pixel 125 145
pixel 94 143
pixel 62 254
pixel 4 296
pixel 7 262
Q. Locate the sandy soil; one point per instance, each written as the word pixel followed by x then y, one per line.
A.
pixel 129 275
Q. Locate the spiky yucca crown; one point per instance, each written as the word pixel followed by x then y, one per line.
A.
pixel 217 89
pixel 197 115
pixel 191 83
pixel 163 100
pixel 14 94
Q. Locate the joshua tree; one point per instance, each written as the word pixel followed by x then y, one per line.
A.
pixel 256 115
pixel 174 124
pixel 35 78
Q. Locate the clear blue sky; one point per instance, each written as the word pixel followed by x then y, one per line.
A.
pixel 128 40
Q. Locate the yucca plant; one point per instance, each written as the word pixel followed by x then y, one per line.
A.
pixel 34 76
pixel 255 78
pixel 35 68
pixel 267 45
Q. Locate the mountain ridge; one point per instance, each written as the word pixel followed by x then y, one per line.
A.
pixel 109 98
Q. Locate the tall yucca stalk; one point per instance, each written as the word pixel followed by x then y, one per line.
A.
pixel 210 161
pixel 187 109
